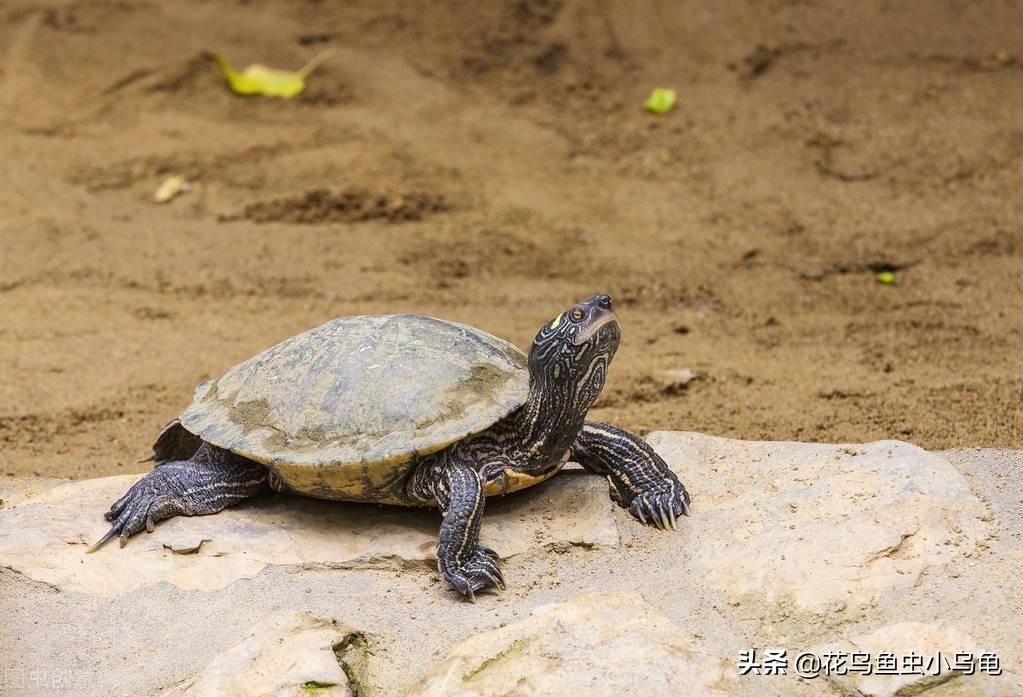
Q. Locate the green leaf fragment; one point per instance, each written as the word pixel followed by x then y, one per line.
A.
pixel 886 277
pixel 270 82
pixel 317 685
pixel 660 100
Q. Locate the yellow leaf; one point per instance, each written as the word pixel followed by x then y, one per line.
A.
pixel 170 187
pixel 259 79
pixel 660 100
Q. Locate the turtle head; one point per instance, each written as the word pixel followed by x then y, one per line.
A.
pixel 570 354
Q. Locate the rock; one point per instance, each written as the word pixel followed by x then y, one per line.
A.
pixel 91 645
pixel 595 645
pixel 675 382
pixel 14 490
pixel 45 536
pixel 819 528
pixel 286 655
pixel 935 644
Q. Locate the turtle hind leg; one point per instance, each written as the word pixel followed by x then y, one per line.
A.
pixel 210 481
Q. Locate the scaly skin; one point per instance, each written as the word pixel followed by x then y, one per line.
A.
pixel 209 482
pixel 568 364
pixel 461 560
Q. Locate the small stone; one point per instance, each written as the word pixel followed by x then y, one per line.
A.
pixel 677 381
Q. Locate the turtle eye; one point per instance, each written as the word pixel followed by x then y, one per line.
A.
pixel 577 315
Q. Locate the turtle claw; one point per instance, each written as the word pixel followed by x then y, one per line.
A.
pixel 140 508
pixel 498 582
pixel 477 572
pixel 103 540
pixel 662 507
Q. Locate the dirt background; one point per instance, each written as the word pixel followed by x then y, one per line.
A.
pixel 491 163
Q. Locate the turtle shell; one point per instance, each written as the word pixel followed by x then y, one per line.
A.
pixel 341 410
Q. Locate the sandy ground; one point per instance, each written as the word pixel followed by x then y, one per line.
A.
pixel 491 163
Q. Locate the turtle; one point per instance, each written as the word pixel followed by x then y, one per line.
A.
pixel 406 410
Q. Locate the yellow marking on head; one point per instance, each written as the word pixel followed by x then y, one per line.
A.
pixel 557 321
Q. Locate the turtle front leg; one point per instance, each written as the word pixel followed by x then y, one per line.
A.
pixel 638 477
pixel 457 488
pixel 209 482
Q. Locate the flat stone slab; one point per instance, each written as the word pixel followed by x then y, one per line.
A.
pixel 819 528
pixel 598 644
pixel 44 536
pixel 722 579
